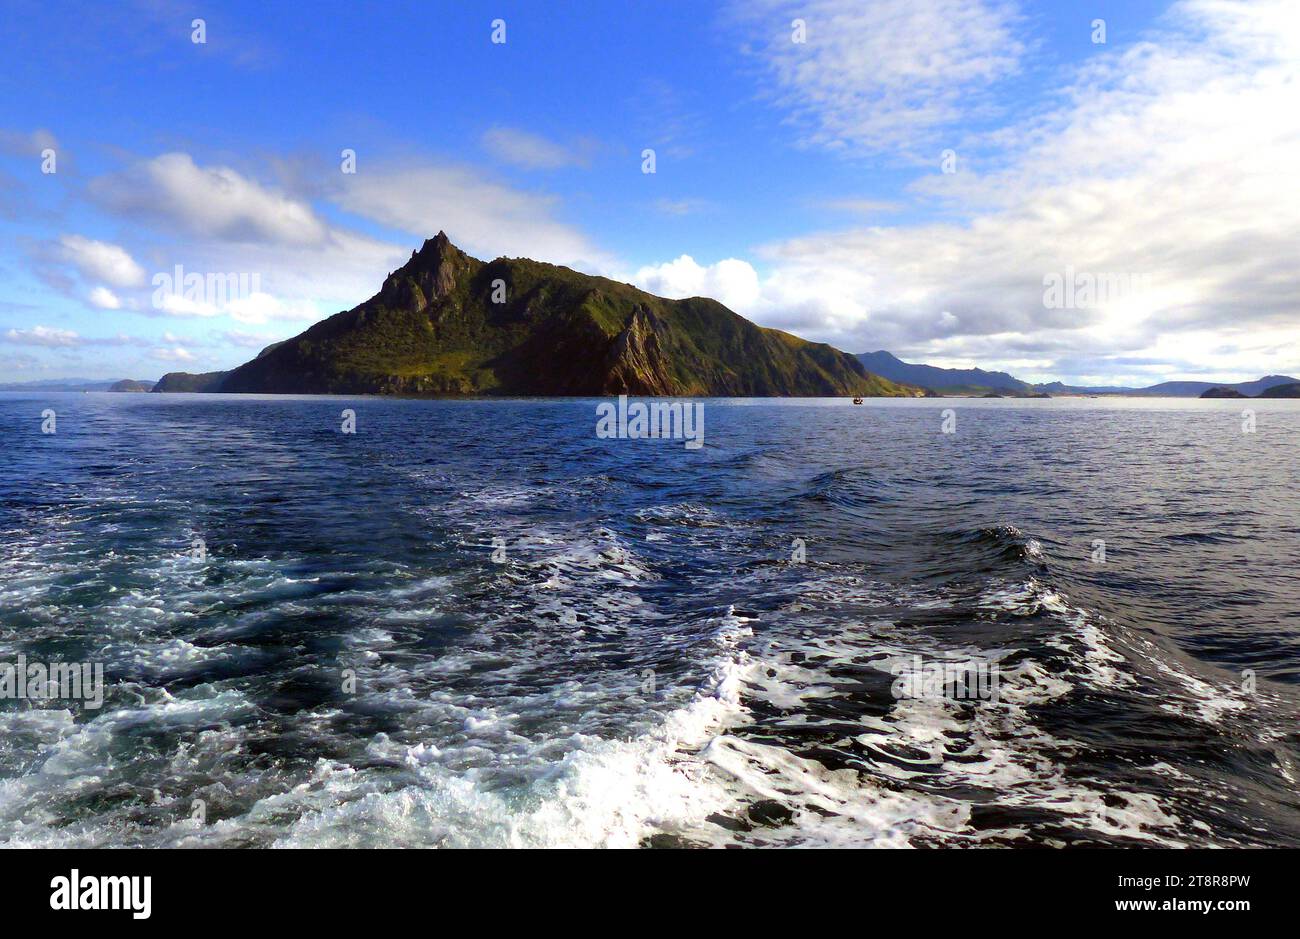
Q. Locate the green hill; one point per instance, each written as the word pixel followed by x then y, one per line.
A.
pixel 185 381
pixel 435 328
pixel 1281 391
pixel 131 385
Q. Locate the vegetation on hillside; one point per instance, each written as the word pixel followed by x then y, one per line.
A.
pixel 449 324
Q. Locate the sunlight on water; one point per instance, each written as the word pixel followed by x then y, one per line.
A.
pixel 482 623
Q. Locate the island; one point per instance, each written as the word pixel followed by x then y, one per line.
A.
pixel 131 385
pixel 447 324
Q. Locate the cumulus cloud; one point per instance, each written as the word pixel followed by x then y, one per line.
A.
pixel 44 336
pixel 104 299
pixel 255 307
pixel 173 354
pixel 307 268
pixel 486 218
pixel 882 76
pixel 534 152
pixel 214 216
pixel 99 260
pixel 177 304
pixel 1173 160
pixel 732 282
pixel 263 307
pixel 214 202
pixel 296 283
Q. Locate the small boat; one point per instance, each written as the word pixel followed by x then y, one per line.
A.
pixel 857 400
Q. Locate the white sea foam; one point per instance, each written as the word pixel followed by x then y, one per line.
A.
pixel 601 792
pixel 534 727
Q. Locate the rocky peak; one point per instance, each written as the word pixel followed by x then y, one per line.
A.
pixel 431 273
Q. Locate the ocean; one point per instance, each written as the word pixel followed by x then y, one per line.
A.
pixel 480 623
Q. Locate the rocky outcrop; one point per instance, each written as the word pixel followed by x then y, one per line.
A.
pixel 430 275
pixel 636 364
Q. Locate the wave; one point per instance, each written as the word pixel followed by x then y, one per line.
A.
pixel 570 663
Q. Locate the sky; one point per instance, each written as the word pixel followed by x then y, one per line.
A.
pixel 1092 191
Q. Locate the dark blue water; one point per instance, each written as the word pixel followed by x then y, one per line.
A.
pixel 476 623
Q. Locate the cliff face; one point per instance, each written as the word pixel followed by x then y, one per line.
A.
pixel 635 363
pixel 448 324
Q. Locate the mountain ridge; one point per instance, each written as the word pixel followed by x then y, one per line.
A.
pixel 888 365
pixel 448 324
pixel 1291 390
pixel 78 384
pixel 977 381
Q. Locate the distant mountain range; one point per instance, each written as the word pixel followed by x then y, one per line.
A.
pixel 449 324
pixel 942 380
pixel 975 381
pixel 78 384
pixel 1274 391
pixel 1177 389
pixel 1281 391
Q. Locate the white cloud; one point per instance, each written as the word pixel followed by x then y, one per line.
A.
pixel 213 202
pixel 304 282
pixel 262 307
pixel 105 299
pixel 486 218
pixel 173 354
pixel 532 151
pixel 177 304
pixel 882 76
pixel 1175 158
pixel 45 336
pixel 257 307
pixel 731 282
pixel 307 268
pixel 99 260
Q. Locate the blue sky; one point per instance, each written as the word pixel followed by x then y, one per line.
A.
pixel 802 183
